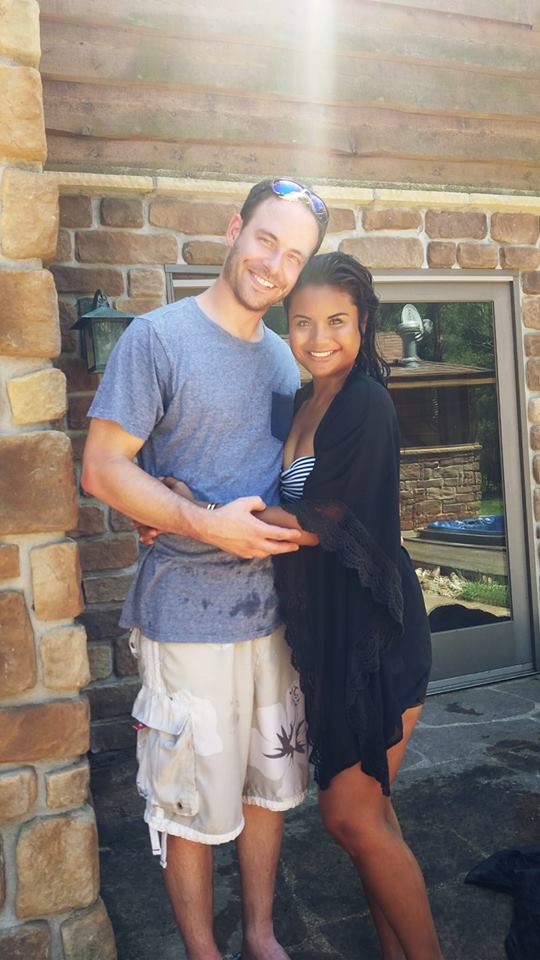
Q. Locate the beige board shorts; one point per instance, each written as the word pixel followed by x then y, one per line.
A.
pixel 222 724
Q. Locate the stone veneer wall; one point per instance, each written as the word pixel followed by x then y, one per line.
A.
pixel 439 485
pixel 49 874
pixel 117 232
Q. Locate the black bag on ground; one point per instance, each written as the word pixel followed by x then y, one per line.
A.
pixel 516 872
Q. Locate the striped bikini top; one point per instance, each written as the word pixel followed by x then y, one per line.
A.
pixel 292 479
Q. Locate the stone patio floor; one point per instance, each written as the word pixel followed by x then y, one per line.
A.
pixel 469 786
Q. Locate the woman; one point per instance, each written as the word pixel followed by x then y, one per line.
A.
pixel 353 608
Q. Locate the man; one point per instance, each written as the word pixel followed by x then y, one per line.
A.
pixel 200 390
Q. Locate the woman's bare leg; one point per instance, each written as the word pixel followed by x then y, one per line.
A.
pixel 390 945
pixel 362 820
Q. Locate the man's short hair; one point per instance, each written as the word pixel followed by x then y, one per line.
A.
pixel 265 189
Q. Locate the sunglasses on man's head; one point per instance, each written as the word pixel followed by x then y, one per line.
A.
pixel 291 190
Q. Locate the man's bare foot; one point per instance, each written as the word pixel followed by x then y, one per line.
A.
pixel 263 948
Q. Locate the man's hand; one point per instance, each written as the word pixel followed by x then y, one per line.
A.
pixel 235 529
pixel 110 474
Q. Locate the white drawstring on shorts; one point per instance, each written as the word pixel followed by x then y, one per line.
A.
pixel 159 845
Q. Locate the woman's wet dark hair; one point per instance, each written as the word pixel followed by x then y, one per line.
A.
pixel 345 272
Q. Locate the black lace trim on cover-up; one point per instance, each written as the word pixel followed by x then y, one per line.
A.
pixel 340 531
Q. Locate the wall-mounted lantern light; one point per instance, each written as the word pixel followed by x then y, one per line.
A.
pixel 101 326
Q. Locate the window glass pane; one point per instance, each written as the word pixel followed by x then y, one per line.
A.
pixel 276 319
pixel 444 386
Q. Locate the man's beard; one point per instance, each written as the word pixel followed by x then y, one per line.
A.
pixel 230 275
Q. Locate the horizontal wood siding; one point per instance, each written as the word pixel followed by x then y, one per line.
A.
pixel 432 92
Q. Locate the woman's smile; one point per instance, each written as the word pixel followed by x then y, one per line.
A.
pixel 322 355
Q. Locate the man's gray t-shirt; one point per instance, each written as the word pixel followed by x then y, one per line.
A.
pixel 213 410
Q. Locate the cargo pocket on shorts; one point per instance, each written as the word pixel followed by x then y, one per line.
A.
pixel 166 754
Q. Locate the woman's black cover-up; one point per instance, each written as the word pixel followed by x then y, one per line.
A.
pixel 353 608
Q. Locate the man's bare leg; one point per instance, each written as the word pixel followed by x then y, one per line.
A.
pixel 258 853
pixel 189 883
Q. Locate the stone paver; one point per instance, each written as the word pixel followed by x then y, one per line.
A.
pixel 469 786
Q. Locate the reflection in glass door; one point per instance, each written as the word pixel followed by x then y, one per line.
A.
pixel 461 485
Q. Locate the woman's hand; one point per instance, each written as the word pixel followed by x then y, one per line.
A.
pixel 147 535
pixel 279 517
pixel 178 487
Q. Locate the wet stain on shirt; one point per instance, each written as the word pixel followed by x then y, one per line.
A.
pixel 269 605
pixel 249 606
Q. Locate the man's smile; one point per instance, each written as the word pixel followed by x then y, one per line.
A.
pixel 262 281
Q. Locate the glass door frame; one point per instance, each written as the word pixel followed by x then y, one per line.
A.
pixel 501 288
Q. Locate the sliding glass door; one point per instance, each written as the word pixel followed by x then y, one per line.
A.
pixel 451 347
